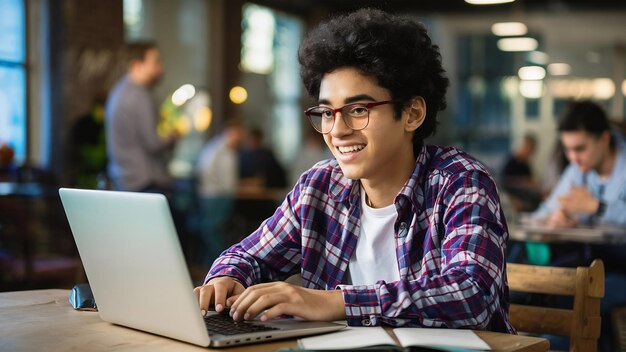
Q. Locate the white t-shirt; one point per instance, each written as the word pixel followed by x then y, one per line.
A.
pixel 375 258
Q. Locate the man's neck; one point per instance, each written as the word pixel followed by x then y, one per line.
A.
pixel 137 79
pixel 382 191
pixel 607 164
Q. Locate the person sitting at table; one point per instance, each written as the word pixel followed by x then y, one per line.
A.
pixel 217 173
pixel 391 231
pixel 258 162
pixel 591 191
pixel 517 176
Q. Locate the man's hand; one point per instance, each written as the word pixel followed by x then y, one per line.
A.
pixel 561 218
pixel 579 200
pixel 277 298
pixel 217 292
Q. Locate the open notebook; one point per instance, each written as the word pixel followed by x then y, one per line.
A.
pixel 369 337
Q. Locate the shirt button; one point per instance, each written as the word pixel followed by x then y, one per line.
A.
pixel 366 322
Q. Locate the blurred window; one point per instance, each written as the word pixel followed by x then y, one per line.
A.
pixel 487 86
pixel 13 77
pixel 269 47
pixel 257 40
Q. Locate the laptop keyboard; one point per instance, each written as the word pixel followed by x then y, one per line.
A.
pixel 225 325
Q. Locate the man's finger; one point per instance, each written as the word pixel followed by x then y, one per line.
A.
pixel 221 292
pixel 249 297
pixel 264 302
pixel 284 309
pixel 230 300
pixel 205 296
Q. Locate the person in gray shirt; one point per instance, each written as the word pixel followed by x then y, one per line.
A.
pixel 136 152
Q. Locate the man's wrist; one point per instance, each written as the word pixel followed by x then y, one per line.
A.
pixel 601 208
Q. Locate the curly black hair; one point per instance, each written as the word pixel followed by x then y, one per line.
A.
pixel 396 51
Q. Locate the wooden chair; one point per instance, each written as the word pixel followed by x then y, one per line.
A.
pixel 581 323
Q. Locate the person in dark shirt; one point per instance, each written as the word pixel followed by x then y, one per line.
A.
pixel 136 152
pixel 517 177
pixel 258 161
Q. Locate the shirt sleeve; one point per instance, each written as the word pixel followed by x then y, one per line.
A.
pixel 270 253
pixel 567 180
pixel 146 120
pixel 462 282
pixel 615 212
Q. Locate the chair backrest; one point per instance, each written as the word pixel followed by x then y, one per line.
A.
pixel 581 323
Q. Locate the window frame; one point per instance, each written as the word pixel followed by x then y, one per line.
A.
pixel 23 65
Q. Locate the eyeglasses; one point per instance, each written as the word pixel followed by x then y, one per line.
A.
pixel 356 115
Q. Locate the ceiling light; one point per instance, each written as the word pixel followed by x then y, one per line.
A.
pixel 238 95
pixel 531 89
pixel 559 88
pixel 531 73
pixel 487 2
pixel 603 88
pixel 581 88
pixel 559 69
pixel 517 44
pixel 505 29
pixel 182 94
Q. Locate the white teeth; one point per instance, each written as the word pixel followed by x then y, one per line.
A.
pixel 352 148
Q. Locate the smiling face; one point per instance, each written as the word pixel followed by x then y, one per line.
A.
pixel 584 149
pixel 381 152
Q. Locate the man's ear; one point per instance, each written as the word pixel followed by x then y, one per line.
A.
pixel 606 137
pixel 416 114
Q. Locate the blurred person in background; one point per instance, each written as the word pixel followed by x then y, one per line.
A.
pixel 217 173
pixel 553 170
pixel 137 155
pixel 517 176
pixel 591 191
pixel 258 163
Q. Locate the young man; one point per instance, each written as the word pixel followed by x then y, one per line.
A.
pixel 390 231
pixel 136 152
pixel 592 189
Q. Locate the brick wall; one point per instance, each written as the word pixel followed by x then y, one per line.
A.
pixel 85 39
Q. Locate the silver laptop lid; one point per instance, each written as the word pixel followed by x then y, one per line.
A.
pixel 133 260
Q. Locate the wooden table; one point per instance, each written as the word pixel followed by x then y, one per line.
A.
pixel 43 320
pixel 536 232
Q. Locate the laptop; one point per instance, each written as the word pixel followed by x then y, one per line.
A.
pixel 133 260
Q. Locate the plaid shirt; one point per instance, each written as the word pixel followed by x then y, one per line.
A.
pixel 450 239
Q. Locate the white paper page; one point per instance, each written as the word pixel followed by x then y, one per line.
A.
pixel 351 337
pixel 440 337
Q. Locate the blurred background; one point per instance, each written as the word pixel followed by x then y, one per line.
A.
pixel 512 68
